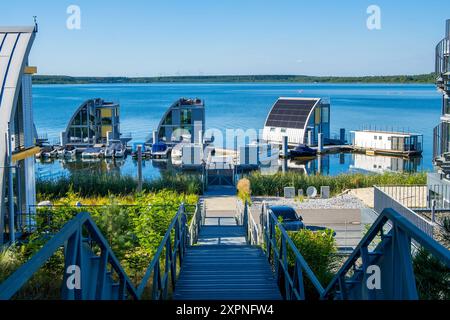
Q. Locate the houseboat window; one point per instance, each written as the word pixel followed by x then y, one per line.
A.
pixel 106 121
pixel 375 137
pixel 283 130
pixel 168 119
pixel 272 129
pixel 325 114
pixel 186 116
pixel 380 138
pixel 389 138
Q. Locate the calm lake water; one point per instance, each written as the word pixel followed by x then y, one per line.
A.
pixel 414 108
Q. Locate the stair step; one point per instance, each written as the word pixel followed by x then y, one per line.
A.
pixel 226 272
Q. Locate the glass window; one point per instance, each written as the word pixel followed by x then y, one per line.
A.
pixel 186 116
pixel 272 129
pixel 168 119
pixel 106 121
pixel 325 114
pixel 283 130
pixel 375 137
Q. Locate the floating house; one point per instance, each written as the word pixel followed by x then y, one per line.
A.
pixel 94 122
pixel 300 119
pixel 17 146
pixel 184 120
pixel 385 142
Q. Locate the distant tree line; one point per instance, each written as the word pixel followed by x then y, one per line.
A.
pixel 55 79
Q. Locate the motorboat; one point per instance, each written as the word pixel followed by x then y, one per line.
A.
pixel 160 150
pixel 60 152
pixel 109 151
pixel 119 151
pixel 70 153
pixel 90 153
pixel 53 153
pixel 302 150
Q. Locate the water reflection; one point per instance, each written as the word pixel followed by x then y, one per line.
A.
pixel 333 164
pixel 329 164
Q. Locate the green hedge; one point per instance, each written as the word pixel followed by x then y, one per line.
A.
pixel 92 185
pixel 273 185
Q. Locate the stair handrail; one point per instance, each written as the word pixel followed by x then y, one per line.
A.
pixel 196 223
pixel 293 285
pixel 70 236
pixel 398 221
pixel 160 285
pixel 441 48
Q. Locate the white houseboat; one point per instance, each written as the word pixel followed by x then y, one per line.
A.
pixel 386 142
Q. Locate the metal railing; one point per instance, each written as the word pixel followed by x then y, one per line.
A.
pixel 398 198
pixel 198 219
pixel 289 265
pixel 111 281
pixel 77 247
pixel 171 250
pixel 442 57
pixel 245 218
pixel 392 255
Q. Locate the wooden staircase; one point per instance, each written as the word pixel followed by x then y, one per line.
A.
pixel 223 267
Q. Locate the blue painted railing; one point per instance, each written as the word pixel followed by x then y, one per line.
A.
pixel 393 235
pixel 278 247
pixel 102 276
pixel 172 250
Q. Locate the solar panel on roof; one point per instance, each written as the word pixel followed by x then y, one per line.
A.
pixel 290 113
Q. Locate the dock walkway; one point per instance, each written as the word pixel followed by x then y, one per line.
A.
pixel 222 266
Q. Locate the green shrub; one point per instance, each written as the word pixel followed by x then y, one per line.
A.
pixel 92 185
pixel 273 185
pixel 319 249
pixel 432 276
pixel 134 227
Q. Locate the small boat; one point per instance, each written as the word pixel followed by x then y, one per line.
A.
pixel 60 152
pixel 70 153
pixel 119 151
pixel 53 153
pixel 109 151
pixel 90 153
pixel 302 150
pixel 160 150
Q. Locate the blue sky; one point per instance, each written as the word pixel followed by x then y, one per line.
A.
pixel 195 37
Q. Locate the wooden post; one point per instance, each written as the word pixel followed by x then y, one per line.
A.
pixel 139 151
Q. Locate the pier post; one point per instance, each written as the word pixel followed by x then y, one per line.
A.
pixel 139 152
pixel 320 143
pixel 309 138
pixel 285 146
pixel 154 133
pixel 342 135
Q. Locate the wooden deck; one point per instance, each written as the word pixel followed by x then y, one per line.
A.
pixel 223 267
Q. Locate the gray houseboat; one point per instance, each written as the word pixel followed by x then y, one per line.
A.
pixel 94 122
pixel 184 120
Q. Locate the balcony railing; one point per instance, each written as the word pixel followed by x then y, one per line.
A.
pixel 442 57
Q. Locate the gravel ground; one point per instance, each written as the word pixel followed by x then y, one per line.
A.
pixel 345 201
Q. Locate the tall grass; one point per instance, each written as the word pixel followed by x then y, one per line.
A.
pixel 95 185
pixel 272 185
